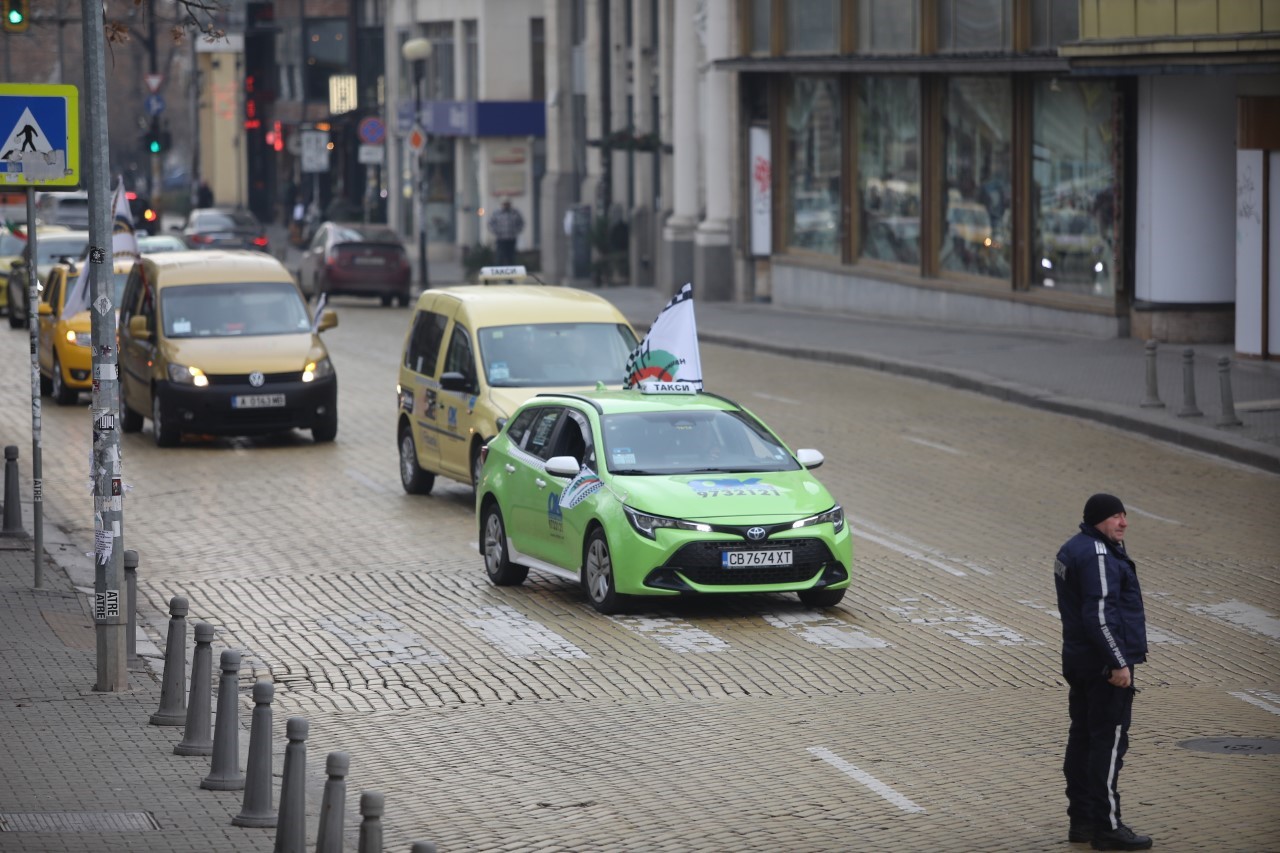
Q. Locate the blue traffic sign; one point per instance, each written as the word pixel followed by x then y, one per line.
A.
pixel 372 131
pixel 154 105
pixel 39 135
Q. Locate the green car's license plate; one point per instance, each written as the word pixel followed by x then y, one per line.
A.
pixel 747 559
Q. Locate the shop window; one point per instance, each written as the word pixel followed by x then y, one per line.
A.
pixel 813 163
pixel 813 26
pixel 1075 186
pixel 887 26
pixel 889 168
pixel 967 26
pixel 977 221
pixel 1054 22
pixel 761 25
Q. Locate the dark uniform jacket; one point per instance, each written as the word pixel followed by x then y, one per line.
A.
pixel 1103 624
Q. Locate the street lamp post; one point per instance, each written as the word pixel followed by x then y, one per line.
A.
pixel 417 51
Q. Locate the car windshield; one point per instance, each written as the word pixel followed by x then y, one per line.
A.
pixel 160 243
pixel 535 355
pixel 50 249
pixel 227 310
pixel 214 219
pixel 364 234
pixel 685 442
pixel 11 244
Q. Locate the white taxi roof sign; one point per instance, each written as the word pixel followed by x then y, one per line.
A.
pixel 513 274
pixel 655 387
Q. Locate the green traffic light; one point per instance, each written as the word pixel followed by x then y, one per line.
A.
pixel 155 147
pixel 15 16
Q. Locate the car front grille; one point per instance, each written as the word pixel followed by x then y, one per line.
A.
pixel 700 562
pixel 243 378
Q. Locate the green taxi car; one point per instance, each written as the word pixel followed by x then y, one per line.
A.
pixel 633 493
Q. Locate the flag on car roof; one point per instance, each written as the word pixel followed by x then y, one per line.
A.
pixel 124 244
pixel 669 353
pixel 583 485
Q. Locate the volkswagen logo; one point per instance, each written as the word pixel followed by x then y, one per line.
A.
pixel 256 379
pixel 755 534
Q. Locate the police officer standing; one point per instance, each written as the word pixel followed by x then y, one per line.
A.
pixel 1104 635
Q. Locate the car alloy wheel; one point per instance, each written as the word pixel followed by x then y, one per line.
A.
pixel 597 575
pixel 414 480
pixel 497 561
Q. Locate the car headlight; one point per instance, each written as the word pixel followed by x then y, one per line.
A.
pixel 180 374
pixel 835 516
pixel 645 524
pixel 80 339
pixel 317 370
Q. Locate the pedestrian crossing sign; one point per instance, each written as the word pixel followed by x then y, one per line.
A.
pixel 39 135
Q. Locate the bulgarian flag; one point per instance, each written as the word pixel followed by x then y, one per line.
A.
pixel 586 483
pixel 669 353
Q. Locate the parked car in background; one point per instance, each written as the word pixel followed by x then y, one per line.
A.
pixel 13 244
pixel 636 493
pixel 66 347
pixel 70 209
pixel 51 248
pixel 152 243
pixel 222 343
pixel 474 353
pixel 223 228
pixel 145 218
pixel 356 259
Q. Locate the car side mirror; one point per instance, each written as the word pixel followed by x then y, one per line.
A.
pixel 563 466
pixel 810 458
pixel 454 381
pixel 138 328
pixel 328 320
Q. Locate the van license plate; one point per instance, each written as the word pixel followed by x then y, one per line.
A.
pixel 744 559
pixel 257 401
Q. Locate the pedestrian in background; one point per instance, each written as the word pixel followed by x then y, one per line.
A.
pixel 204 195
pixel 1104 636
pixel 506 224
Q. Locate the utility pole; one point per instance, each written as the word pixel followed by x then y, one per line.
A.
pixel 110 612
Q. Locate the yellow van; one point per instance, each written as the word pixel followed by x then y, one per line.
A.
pixel 474 353
pixel 66 346
pixel 221 342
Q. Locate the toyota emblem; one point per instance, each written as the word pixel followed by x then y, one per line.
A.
pixel 256 379
pixel 755 534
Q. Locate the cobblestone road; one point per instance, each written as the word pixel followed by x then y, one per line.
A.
pixel 925 713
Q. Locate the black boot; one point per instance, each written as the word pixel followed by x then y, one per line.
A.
pixel 1120 838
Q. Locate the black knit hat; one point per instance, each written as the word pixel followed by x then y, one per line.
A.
pixel 1100 507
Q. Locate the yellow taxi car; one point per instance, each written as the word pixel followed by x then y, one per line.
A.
pixel 66 348
pixel 13 243
pixel 474 353
pixel 221 342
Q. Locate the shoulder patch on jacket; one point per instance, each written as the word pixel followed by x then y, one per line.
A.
pixel 1060 569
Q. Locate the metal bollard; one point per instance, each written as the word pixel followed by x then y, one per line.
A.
pixel 1228 416
pixel 371 806
pixel 1189 409
pixel 224 770
pixel 1152 400
pixel 195 738
pixel 291 835
pixel 131 593
pixel 173 695
pixel 256 810
pixel 12 497
pixel 333 806
pixel 422 847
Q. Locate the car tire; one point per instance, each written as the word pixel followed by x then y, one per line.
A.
pixel 387 299
pixel 821 597
pixel 597 575
pixel 130 421
pixel 326 429
pixel 165 434
pixel 413 478
pixel 62 395
pixel 476 466
pixel 497 560
pixel 46 386
pixel 403 300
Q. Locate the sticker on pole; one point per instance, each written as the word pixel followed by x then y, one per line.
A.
pixel 40 129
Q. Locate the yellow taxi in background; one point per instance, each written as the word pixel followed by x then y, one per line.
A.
pixel 474 353
pixel 66 348
pixel 221 342
pixel 13 243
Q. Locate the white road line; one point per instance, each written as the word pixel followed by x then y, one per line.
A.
pixel 675 634
pixel 922 548
pixel 972 629
pixel 775 399
pixel 1145 514
pixel 1245 615
pixel 865 778
pixel 1254 700
pixel 519 636
pixel 935 445
pixel 366 481
pixel 907 552
pixel 381 640
pixel 824 631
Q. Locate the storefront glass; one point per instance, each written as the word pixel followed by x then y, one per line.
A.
pixel 813 165
pixel 976 215
pixel 1075 186
pixel 889 168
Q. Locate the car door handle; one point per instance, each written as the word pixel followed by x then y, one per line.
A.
pixel 511 469
pixel 539 482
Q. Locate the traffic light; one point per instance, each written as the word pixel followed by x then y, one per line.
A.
pixel 17 15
